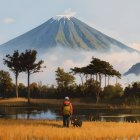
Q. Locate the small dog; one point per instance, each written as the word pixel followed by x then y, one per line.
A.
pixel 76 122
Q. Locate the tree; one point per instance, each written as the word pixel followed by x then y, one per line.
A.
pixel 79 71
pixel 5 83
pixel 14 63
pixel 22 90
pixel 34 88
pixel 132 90
pixel 112 91
pixel 97 68
pixel 30 66
pixel 64 79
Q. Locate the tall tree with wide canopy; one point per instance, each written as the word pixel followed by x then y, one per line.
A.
pixel 79 71
pixel 98 68
pixel 30 66
pixel 14 63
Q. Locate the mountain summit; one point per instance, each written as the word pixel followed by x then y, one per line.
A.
pixel 65 31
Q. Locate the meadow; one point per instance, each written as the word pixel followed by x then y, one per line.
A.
pixel 52 130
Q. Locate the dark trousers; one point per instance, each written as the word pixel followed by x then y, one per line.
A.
pixel 66 120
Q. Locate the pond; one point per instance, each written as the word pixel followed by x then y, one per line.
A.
pixel 115 115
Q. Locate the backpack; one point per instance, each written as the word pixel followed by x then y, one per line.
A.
pixel 66 108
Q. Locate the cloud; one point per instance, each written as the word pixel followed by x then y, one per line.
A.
pixel 135 46
pixel 8 20
pixel 67 13
pixel 66 59
pixel 120 60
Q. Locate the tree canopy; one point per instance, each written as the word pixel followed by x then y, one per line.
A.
pixel 30 66
pixel 63 78
pixel 5 82
pixel 14 63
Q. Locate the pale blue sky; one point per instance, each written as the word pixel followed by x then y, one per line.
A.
pixel 119 19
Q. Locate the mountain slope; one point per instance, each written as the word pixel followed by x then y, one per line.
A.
pixel 135 69
pixel 64 31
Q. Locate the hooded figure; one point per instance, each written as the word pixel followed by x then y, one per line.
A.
pixel 67 111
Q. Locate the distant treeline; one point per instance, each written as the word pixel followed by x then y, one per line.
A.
pixel 91 86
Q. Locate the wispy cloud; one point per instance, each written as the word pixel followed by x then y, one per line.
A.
pixel 67 59
pixel 119 59
pixel 8 20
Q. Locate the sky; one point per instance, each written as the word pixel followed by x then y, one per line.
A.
pixel 116 18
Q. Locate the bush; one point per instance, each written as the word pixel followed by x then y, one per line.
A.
pixel 111 91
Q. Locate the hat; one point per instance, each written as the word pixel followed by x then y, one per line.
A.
pixel 66 98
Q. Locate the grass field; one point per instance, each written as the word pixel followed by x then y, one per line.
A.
pixel 53 130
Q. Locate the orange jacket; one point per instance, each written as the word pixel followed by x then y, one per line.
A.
pixel 67 103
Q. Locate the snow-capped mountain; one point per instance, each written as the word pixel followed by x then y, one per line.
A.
pixel 68 32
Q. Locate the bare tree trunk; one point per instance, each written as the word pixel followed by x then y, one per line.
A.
pixel 28 87
pixel 82 84
pixel 116 80
pixel 97 98
pixel 17 85
pixel 97 94
pixel 86 77
pixel 81 79
pixel 105 80
pixel 93 77
pixel 100 80
pixel 108 79
pixel 96 77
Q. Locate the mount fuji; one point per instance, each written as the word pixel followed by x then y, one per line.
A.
pixel 67 32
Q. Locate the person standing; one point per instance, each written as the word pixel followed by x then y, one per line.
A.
pixel 67 111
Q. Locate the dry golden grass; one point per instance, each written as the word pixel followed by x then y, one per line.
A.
pixel 53 130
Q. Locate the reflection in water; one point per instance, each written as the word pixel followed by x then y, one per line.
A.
pixel 38 115
pixel 117 115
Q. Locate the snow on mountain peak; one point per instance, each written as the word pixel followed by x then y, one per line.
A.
pixel 64 16
pixel 67 14
pixel 66 31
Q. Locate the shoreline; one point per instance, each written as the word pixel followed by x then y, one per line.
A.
pixel 22 102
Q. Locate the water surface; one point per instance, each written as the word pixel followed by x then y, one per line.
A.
pixel 114 115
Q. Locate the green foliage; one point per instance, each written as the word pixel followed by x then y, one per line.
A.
pixel 24 62
pixel 112 91
pixel 63 78
pixel 28 62
pixel 65 82
pixel 30 66
pixel 5 83
pixel 97 68
pixel 132 90
pixel 91 77
pixel 93 89
pixel 14 63
pixel 22 90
